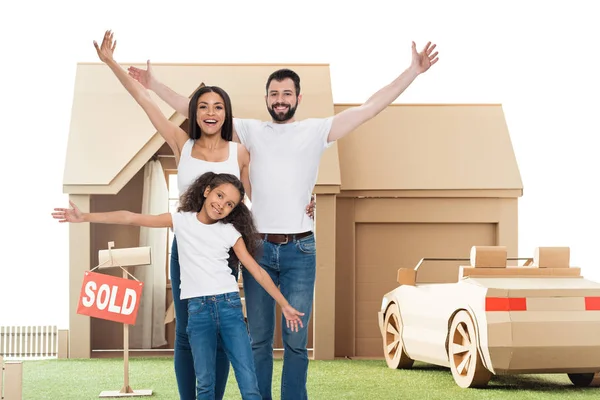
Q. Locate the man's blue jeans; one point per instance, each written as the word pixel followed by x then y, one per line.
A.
pixel 184 362
pixel 211 318
pixel 292 266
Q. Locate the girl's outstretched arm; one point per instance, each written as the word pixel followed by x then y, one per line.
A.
pixel 292 316
pixel 74 215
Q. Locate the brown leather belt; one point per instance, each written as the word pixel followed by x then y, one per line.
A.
pixel 283 238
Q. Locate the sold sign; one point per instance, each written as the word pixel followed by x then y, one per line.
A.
pixel 109 297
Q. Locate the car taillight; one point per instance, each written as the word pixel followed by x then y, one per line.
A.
pixel 505 304
pixel 592 303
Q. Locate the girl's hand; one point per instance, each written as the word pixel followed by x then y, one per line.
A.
pixel 68 214
pixel 292 317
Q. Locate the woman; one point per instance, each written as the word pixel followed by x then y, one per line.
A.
pixel 207 147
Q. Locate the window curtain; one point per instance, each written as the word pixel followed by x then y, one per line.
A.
pixel 149 329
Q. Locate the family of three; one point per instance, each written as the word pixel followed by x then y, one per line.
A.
pixel 220 160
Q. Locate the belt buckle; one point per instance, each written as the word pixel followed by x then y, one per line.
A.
pixel 286 239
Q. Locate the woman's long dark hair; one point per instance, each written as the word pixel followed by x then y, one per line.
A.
pixel 240 217
pixel 194 131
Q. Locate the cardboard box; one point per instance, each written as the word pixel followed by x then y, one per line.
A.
pixel 488 256
pixel 11 379
pixel 552 257
pixel 407 276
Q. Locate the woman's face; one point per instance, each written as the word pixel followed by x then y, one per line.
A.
pixel 211 113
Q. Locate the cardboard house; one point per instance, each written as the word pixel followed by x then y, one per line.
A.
pixel 416 181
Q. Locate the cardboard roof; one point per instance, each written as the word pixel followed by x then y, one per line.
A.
pixel 111 138
pixel 430 147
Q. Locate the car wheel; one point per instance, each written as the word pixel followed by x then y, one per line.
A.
pixel 465 360
pixel 393 346
pixel 585 380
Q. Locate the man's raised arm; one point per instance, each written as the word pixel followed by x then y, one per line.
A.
pixel 146 77
pixel 350 119
pixel 177 101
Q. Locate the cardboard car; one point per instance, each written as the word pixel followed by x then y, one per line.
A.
pixel 492 319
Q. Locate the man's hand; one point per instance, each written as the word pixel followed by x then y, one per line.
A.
pixel 422 61
pixel 145 77
pixel 310 208
pixel 106 49
pixel 68 214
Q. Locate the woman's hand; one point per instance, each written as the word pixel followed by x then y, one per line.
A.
pixel 107 48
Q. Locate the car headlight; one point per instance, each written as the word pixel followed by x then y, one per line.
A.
pixel 384 303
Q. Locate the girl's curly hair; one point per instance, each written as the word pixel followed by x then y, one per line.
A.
pixel 240 217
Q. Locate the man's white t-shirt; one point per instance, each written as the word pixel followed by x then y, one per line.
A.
pixel 284 164
pixel 203 255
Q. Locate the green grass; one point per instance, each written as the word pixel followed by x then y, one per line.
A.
pixel 339 379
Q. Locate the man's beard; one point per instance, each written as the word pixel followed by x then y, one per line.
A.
pixel 282 117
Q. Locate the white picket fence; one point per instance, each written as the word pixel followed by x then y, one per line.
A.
pixel 28 342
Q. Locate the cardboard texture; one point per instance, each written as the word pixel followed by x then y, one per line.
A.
pixel 521 271
pixel 488 256
pixel 551 257
pixel 430 147
pixel 63 343
pixel 498 321
pixel 11 379
pixel 124 257
pixel 407 276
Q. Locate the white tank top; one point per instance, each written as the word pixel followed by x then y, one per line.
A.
pixel 190 168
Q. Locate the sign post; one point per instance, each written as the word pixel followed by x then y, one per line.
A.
pixel 116 299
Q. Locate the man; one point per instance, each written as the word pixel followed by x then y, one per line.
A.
pixel 285 156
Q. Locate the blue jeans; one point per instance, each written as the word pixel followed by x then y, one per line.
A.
pixel 184 362
pixel 211 318
pixel 292 266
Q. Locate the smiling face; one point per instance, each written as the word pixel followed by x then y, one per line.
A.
pixel 282 101
pixel 210 113
pixel 220 201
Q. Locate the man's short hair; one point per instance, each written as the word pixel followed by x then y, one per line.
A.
pixel 282 74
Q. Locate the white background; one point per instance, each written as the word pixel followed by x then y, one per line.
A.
pixel 537 58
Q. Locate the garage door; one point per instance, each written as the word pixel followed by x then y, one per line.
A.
pixel 383 248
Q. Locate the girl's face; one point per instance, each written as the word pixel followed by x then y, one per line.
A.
pixel 211 113
pixel 221 201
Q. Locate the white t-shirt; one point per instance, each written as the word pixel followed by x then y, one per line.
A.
pixel 203 255
pixel 284 164
pixel 190 168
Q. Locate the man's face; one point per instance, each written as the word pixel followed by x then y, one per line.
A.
pixel 282 101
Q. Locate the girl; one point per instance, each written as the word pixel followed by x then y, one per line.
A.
pixel 210 220
pixel 207 146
